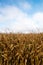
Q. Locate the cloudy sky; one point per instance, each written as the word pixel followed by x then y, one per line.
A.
pixel 21 15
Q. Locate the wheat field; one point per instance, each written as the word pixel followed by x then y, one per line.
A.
pixel 21 49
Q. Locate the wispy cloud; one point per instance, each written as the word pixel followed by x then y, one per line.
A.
pixel 25 5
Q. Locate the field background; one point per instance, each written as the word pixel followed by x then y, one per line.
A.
pixel 21 49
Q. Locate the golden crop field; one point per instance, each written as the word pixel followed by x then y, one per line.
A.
pixel 21 49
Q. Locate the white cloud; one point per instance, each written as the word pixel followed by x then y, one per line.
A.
pixel 38 18
pixel 18 21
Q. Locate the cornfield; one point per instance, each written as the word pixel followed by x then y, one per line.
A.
pixel 21 49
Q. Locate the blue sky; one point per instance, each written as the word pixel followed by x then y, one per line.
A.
pixel 21 15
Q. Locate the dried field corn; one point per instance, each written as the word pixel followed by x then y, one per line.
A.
pixel 21 49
